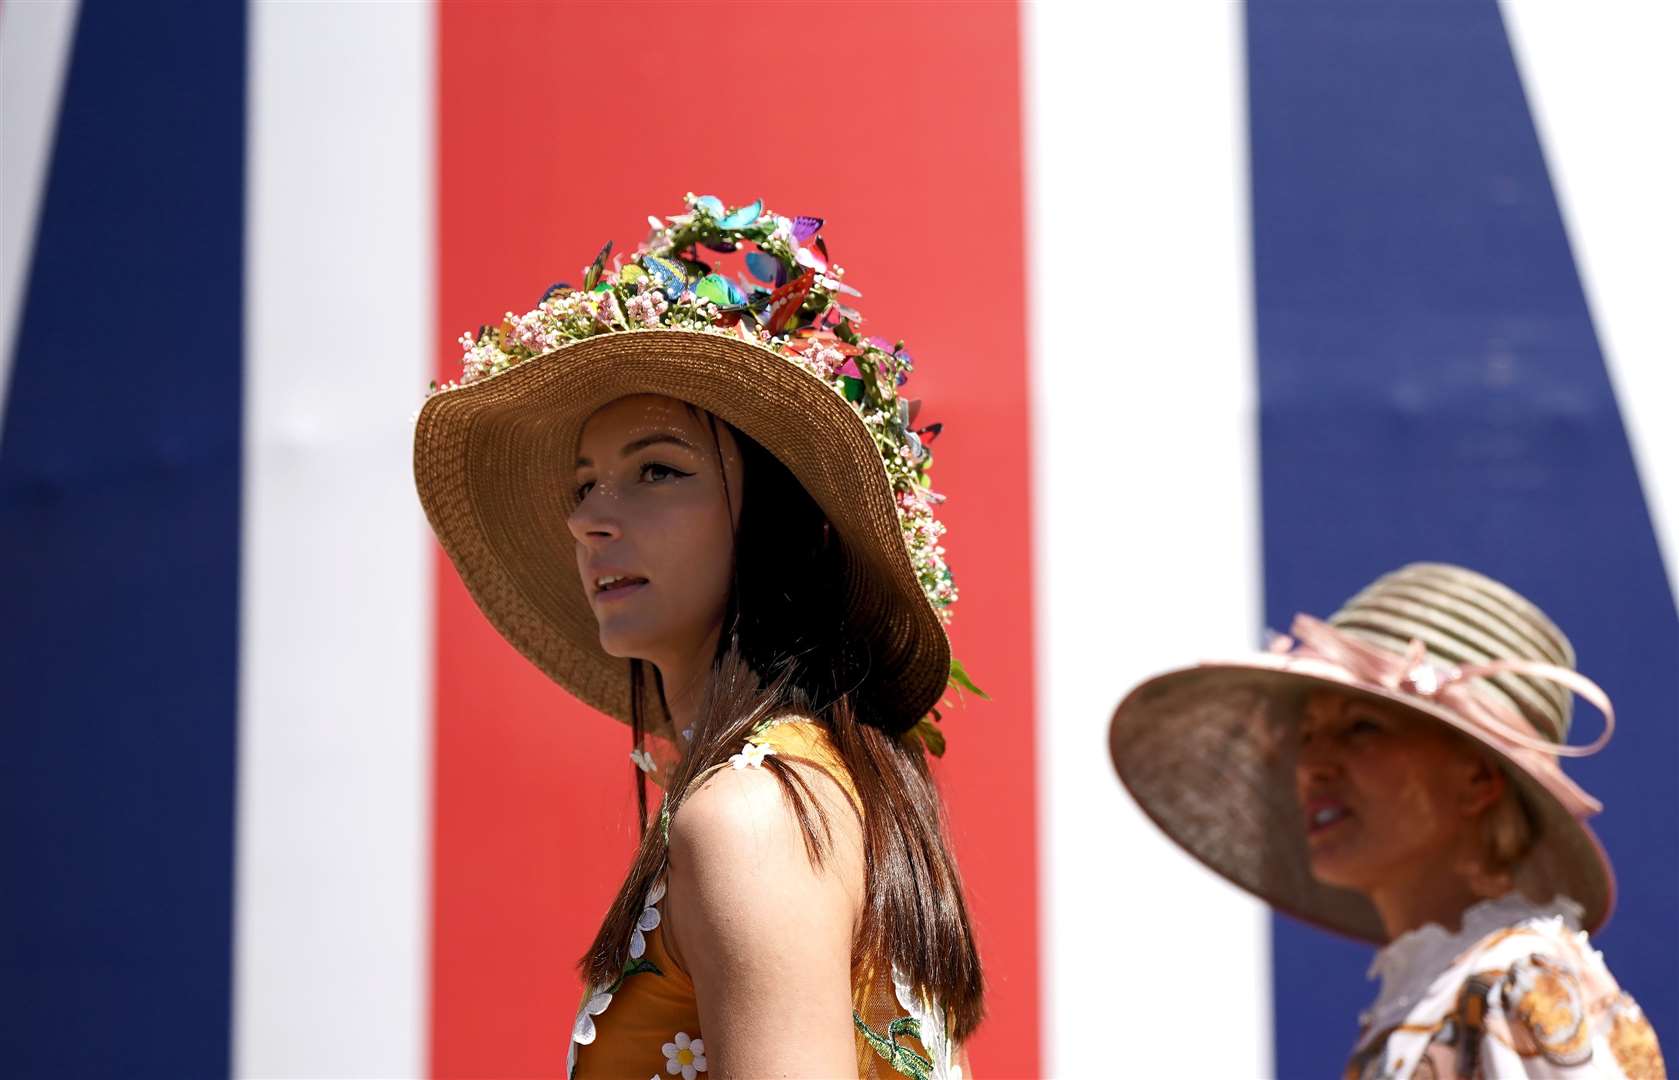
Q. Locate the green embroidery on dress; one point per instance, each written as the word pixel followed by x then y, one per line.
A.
pixel 904 1061
pixel 762 727
pixel 643 966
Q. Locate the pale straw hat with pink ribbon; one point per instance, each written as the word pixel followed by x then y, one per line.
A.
pixel 1208 750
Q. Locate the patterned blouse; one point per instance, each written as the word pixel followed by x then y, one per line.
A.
pixel 647 1023
pixel 1518 992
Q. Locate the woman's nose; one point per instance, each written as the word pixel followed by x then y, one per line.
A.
pixel 593 523
pixel 1316 760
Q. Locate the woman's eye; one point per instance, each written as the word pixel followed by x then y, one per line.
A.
pixel 1363 727
pixel 653 472
pixel 583 489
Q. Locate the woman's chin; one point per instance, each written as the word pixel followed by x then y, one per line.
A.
pixel 1336 871
pixel 624 643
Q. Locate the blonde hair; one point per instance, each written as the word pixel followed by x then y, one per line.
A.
pixel 1508 832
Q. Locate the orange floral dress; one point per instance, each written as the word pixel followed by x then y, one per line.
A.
pixel 647 1023
pixel 1518 992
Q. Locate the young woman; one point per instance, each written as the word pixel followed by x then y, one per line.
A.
pixel 701 506
pixel 1392 775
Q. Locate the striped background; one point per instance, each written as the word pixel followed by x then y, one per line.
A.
pixel 1226 310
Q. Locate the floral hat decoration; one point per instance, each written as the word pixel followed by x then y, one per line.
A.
pixel 776 353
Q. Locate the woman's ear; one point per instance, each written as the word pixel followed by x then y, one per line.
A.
pixel 1483 785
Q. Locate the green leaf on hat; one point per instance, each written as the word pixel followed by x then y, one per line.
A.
pixel 932 739
pixel 959 679
pixel 853 388
pixel 871 377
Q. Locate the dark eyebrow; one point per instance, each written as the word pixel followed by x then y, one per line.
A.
pixel 643 443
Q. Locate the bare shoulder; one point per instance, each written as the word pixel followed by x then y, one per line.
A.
pixel 761 927
pixel 739 863
pixel 764 931
pixel 742 817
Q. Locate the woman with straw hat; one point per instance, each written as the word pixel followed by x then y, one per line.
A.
pixel 700 505
pixel 1392 774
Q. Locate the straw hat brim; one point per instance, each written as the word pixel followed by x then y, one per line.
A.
pixel 493 466
pixel 1208 753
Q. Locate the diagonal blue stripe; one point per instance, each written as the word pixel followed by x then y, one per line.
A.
pixel 1431 387
pixel 119 530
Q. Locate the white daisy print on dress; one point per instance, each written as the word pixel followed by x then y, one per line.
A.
pixel 649 919
pixel 583 1032
pixel 685 1056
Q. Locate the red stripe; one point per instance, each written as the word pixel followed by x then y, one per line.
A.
pixel 562 126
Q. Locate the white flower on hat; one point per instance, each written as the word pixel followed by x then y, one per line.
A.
pixel 685 1056
pixel 643 760
pixel 752 755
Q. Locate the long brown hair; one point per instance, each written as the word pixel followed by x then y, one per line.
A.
pixel 786 650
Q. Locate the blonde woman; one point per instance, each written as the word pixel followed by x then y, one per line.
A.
pixel 1392 774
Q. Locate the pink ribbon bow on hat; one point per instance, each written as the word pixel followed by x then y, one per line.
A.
pixel 1449 687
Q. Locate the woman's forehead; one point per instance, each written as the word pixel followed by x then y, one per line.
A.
pixel 634 417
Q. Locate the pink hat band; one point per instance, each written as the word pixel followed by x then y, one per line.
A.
pixel 1449 687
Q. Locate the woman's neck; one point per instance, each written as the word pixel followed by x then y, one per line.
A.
pixel 684 681
pixel 1440 897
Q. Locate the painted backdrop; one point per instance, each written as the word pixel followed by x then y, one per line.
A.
pixel 1225 311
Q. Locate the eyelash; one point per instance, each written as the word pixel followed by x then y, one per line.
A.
pixel 668 470
pixel 584 488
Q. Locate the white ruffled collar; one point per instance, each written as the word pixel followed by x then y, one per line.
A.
pixel 1411 962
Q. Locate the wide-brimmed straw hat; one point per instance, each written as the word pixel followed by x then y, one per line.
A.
pixel 779 361
pixel 1208 751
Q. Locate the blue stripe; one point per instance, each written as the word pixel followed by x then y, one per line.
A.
pixel 119 533
pixel 1431 387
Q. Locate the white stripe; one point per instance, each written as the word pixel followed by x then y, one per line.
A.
pixel 1146 527
pixel 1602 84
pixel 35 40
pixel 336 628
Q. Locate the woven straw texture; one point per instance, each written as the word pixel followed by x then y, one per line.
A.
pixel 493 465
pixel 1208 751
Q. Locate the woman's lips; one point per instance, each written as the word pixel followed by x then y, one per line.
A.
pixel 1324 814
pixel 614 587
